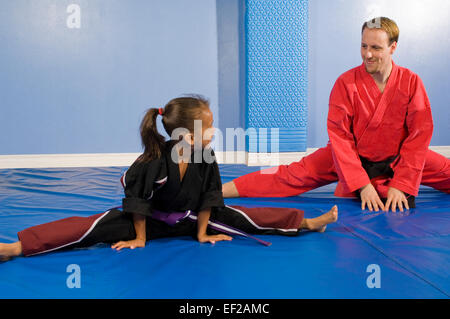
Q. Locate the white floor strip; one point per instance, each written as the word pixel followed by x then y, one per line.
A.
pixel 67 160
pixel 126 159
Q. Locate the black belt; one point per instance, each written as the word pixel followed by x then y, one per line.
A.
pixel 375 169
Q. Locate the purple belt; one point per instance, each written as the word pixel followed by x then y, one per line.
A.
pixel 172 218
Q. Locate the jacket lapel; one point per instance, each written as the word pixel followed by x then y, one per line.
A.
pixel 384 99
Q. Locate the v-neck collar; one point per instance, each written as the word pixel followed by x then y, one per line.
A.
pixel 174 167
pixel 372 85
pixel 181 179
pixel 383 99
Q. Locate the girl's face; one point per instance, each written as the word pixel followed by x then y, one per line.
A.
pixel 207 127
pixel 203 131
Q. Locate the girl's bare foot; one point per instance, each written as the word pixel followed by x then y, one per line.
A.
pixel 7 251
pixel 320 223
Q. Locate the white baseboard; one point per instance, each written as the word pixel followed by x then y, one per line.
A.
pixel 67 160
pixel 443 150
pixel 126 159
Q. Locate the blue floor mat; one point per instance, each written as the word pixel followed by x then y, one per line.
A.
pixel 412 250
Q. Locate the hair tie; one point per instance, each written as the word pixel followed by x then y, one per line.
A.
pixel 160 111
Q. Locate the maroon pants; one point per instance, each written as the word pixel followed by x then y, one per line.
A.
pixel 114 225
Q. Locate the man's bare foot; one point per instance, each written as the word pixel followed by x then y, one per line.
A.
pixel 229 190
pixel 320 223
pixel 7 251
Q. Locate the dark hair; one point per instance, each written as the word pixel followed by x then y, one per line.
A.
pixel 180 112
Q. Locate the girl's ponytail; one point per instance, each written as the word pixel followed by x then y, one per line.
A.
pixel 152 141
pixel 178 113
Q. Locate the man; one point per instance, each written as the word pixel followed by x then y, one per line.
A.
pixel 379 126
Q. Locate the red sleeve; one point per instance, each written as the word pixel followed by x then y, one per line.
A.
pixel 340 131
pixel 408 168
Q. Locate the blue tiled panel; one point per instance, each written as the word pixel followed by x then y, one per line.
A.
pixel 277 65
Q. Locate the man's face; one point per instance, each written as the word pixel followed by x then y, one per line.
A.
pixel 376 51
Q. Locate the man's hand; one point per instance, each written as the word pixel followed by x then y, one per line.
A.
pixel 369 197
pixel 396 198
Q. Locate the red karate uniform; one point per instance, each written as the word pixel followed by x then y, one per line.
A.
pixel 363 122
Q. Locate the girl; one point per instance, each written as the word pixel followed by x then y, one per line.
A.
pixel 172 189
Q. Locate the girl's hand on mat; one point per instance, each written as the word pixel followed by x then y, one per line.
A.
pixel 396 197
pixel 369 197
pixel 213 238
pixel 132 244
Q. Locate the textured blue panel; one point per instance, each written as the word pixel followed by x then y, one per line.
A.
pixel 276 140
pixel 276 56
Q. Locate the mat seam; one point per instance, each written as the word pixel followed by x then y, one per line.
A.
pixel 412 272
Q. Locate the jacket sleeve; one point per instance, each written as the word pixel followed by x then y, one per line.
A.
pixel 409 165
pixel 340 131
pixel 139 186
pixel 211 195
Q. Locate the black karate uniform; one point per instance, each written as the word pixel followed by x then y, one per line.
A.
pixel 155 186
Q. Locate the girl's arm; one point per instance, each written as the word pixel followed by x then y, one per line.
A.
pixel 202 225
pixel 139 226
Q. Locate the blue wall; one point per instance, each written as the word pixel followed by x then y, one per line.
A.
pixel 85 90
pixel 231 73
pixel 424 43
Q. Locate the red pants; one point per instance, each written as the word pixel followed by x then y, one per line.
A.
pixel 317 169
pixel 114 225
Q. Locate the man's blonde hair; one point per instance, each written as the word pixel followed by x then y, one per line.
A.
pixel 385 24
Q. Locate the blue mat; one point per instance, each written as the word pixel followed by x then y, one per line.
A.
pixel 412 250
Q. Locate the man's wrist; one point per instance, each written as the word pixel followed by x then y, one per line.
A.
pixel 362 188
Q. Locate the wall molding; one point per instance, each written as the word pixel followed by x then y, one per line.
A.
pixel 126 159
pixel 67 160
